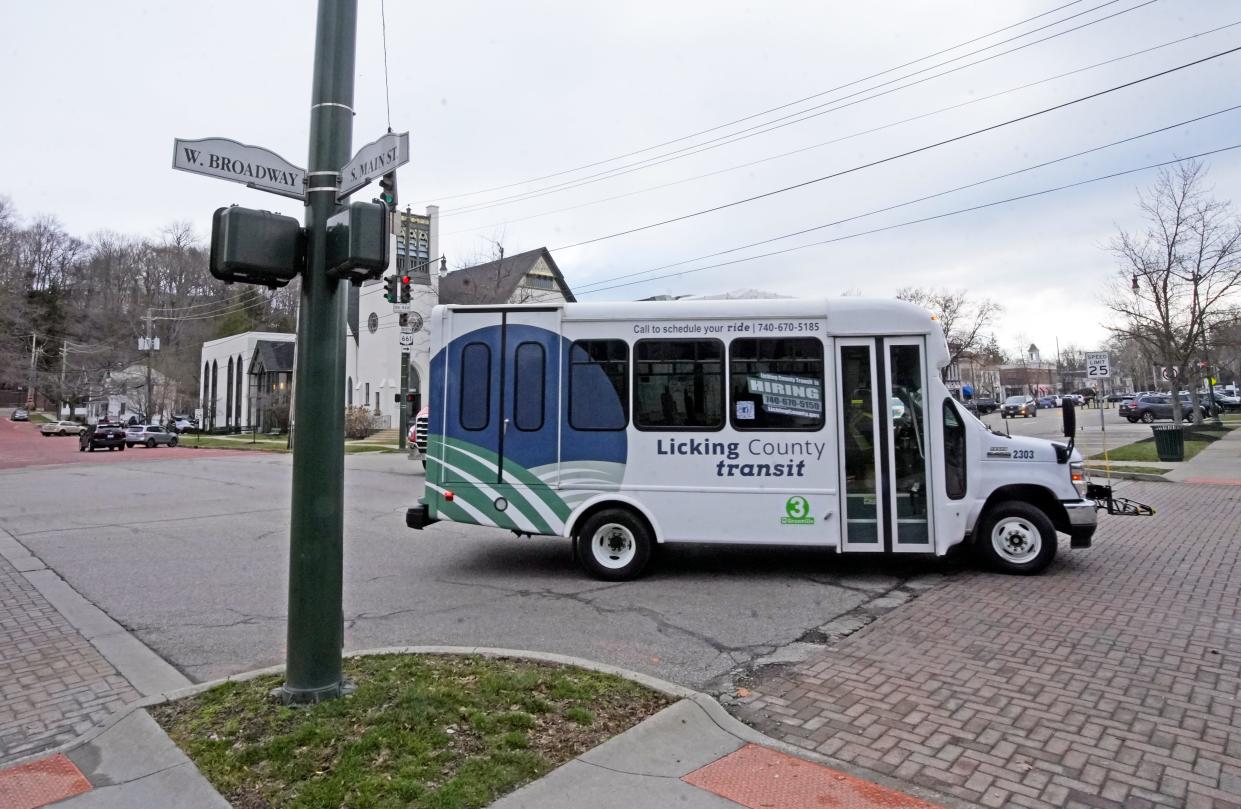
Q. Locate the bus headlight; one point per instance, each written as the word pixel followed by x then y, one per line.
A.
pixel 1077 472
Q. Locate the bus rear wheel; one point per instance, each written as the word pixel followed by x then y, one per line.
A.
pixel 1016 537
pixel 613 545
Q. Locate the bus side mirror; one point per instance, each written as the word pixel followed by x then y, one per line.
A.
pixel 1070 418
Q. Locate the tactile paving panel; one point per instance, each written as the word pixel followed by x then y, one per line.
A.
pixel 41 782
pixel 760 778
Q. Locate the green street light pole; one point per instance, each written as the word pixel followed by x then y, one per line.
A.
pixel 316 536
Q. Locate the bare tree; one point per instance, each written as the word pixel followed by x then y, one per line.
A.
pixel 1178 275
pixel 965 322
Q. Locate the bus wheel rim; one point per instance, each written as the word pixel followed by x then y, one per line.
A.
pixel 613 546
pixel 1016 540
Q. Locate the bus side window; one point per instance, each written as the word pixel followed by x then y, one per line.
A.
pixel 776 383
pixel 598 385
pixel 954 452
pixel 679 385
pixel 475 395
pixel 529 363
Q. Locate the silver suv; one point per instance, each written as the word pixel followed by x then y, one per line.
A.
pixel 149 435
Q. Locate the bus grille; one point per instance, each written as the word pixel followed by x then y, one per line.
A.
pixel 420 435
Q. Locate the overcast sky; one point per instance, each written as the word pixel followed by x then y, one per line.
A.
pixel 496 94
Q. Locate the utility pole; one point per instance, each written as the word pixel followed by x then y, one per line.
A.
pixel 150 353
pixel 316 545
pixel 30 388
pixel 64 356
pixel 403 424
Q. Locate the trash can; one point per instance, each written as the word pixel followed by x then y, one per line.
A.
pixel 1169 442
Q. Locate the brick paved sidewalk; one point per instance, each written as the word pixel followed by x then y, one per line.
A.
pixel 1113 681
pixel 54 685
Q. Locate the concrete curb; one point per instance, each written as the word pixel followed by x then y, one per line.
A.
pixel 1122 475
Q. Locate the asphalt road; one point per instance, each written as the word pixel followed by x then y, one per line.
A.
pixel 189 551
pixel 1090 436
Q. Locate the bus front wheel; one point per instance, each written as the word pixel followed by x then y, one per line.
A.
pixel 1016 537
pixel 614 545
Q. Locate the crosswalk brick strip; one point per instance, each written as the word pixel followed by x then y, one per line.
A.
pixel 54 685
pixel 1111 682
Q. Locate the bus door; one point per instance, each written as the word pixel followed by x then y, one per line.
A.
pixel 884 464
pixel 502 401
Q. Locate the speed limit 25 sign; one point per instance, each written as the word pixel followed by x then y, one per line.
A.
pixel 1097 365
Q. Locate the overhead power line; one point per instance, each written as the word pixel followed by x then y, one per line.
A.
pixel 921 220
pixel 584 288
pixel 773 109
pixel 861 133
pixel 904 154
pixel 797 117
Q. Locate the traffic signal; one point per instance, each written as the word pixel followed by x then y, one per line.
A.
pixel 357 242
pixel 387 190
pixel 256 247
pixel 390 292
pixel 406 292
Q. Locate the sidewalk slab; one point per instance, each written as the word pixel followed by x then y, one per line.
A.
pixel 1219 463
pixel 674 742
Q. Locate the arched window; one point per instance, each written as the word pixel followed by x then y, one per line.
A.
pixel 349 391
pixel 228 396
pixel 237 393
pixel 204 388
pixel 215 389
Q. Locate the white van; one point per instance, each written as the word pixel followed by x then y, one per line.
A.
pixel 780 422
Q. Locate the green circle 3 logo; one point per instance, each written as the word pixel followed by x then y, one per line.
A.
pixel 797 507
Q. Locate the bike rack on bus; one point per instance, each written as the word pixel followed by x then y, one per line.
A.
pixel 1101 494
pixel 1123 506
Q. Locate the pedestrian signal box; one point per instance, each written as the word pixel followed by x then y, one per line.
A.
pixel 256 247
pixel 357 242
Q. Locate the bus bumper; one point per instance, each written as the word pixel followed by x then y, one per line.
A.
pixel 417 517
pixel 1083 519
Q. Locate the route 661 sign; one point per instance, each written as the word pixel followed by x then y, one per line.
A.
pixel 407 339
pixel 1098 365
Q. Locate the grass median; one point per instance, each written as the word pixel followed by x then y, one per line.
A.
pixel 421 731
pixel 1197 438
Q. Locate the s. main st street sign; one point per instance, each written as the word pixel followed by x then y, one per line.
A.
pixel 372 161
pixel 252 166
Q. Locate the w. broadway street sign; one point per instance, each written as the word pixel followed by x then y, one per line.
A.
pixel 252 166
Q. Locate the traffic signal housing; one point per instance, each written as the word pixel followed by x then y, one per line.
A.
pixel 390 289
pixel 406 292
pixel 256 247
pixel 357 242
pixel 387 190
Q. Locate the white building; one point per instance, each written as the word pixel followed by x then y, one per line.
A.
pixel 224 388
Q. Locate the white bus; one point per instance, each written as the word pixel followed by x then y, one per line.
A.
pixel 780 422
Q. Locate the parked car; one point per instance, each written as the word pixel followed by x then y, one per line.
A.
pixel 103 435
pixel 181 425
pixel 1227 404
pixel 1156 406
pixel 61 428
pixel 985 405
pixel 1024 406
pixel 149 435
pixel 20 414
pixel 1049 402
pixel 1119 397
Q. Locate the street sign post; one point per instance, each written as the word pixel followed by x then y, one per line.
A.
pixel 407 339
pixel 252 166
pixel 372 161
pixel 402 308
